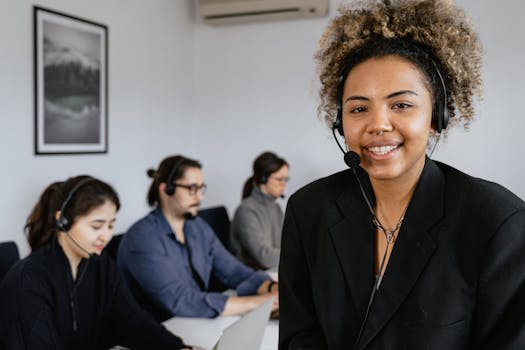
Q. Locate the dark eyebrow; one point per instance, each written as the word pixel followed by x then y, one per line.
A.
pixel 102 221
pixel 402 92
pixel 356 97
pixel 394 94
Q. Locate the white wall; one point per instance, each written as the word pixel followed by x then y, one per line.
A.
pixel 150 98
pixel 223 94
pixel 492 149
pixel 255 89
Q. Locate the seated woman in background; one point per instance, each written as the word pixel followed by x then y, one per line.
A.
pixel 257 222
pixel 65 294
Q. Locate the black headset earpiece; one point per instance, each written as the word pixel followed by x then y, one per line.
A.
pixel 64 222
pixel 440 114
pixel 262 180
pixel 338 124
pixel 266 168
pixel 170 185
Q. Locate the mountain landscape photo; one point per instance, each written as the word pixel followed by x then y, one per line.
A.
pixel 71 85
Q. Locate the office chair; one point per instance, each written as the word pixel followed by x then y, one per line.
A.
pixel 112 247
pixel 8 256
pixel 218 219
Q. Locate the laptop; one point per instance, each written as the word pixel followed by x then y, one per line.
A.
pixel 245 333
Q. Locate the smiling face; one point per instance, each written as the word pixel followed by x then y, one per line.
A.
pixel 387 110
pixel 92 232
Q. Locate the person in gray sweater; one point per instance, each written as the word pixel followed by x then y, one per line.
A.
pixel 257 222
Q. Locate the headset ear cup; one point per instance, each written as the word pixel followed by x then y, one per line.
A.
pixel 170 186
pixel 63 223
pixel 338 124
pixel 440 112
pixel 263 180
pixel 445 117
pixel 436 124
pixel 169 189
pixel 440 117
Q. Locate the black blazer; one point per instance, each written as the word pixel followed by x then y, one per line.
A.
pixel 43 308
pixel 455 279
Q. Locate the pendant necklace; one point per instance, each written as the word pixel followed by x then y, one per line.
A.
pixel 390 238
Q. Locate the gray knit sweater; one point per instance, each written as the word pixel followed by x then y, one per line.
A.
pixel 256 230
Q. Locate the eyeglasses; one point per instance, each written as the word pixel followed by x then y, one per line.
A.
pixel 281 179
pixel 193 188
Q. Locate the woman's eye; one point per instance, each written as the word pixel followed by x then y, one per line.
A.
pixel 401 105
pixel 96 228
pixel 358 110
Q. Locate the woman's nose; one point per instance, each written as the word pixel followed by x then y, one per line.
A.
pixel 379 121
pixel 106 235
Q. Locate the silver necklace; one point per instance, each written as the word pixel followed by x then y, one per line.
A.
pixel 390 238
pixel 389 234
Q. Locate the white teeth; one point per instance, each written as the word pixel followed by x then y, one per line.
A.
pixel 382 150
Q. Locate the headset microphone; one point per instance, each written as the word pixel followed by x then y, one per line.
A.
pixel 91 255
pixel 352 159
pixel 189 216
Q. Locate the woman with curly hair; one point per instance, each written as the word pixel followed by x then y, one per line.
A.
pixel 400 251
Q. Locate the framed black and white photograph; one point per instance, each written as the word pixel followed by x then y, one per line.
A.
pixel 71 67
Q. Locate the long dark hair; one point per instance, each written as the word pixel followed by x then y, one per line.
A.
pixel 41 224
pixel 161 175
pixel 264 165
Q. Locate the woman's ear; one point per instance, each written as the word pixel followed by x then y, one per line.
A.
pixel 57 214
pixel 432 127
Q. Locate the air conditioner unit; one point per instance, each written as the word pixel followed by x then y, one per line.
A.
pixel 232 11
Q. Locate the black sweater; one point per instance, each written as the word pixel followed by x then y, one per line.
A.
pixel 42 307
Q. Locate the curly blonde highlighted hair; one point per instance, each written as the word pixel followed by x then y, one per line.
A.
pixel 439 28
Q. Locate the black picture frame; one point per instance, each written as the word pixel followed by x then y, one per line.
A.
pixel 71 84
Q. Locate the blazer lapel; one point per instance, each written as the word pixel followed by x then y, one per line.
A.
pixel 353 241
pixel 413 248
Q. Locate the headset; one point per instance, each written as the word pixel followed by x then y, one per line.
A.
pixel 264 177
pixel 170 185
pixel 64 222
pixel 440 115
pixel 262 180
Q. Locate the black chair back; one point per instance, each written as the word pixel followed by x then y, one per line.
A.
pixel 112 247
pixel 218 219
pixel 8 256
